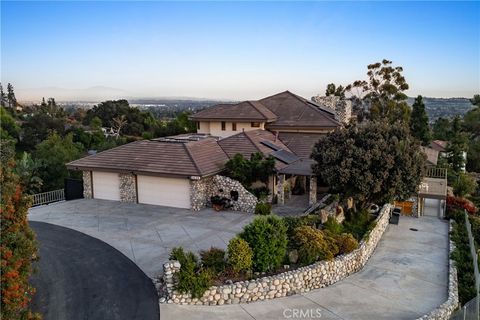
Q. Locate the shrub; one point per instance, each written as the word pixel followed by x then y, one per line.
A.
pixel 313 245
pixel 333 226
pixel 213 259
pixel 358 223
pixel 346 243
pixel 464 185
pixel 239 255
pixel 17 245
pixel 261 192
pixel 295 222
pixel 191 278
pixel 263 209
pixel 461 203
pixel 267 236
pixel 463 259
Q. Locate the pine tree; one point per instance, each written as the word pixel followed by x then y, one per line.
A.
pixel 3 97
pixel 419 122
pixel 12 101
pixel 456 147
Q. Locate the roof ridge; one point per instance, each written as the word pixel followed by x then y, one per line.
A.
pixel 250 139
pixel 258 110
pixel 191 158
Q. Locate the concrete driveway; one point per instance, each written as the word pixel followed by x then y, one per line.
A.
pixel 144 233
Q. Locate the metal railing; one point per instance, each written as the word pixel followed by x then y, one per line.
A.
pixel 48 197
pixel 469 311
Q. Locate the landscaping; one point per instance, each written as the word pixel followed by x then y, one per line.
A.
pixel 269 246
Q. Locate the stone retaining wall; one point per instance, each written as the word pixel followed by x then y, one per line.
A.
pixel 201 191
pixel 317 275
pixel 445 310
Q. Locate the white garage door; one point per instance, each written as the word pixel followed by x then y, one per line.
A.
pixel 106 185
pixel 170 192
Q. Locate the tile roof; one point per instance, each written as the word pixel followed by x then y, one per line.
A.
pixel 246 110
pixel 300 143
pixel 194 158
pixel 296 112
pixel 438 145
pixel 249 142
pixel 432 155
pixel 282 110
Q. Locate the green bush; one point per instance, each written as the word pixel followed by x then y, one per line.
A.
pixel 295 222
pixel 213 259
pixel 313 245
pixel 263 208
pixel 191 278
pixel 358 223
pixel 464 185
pixel 346 243
pixel 463 259
pixel 267 236
pixel 333 226
pixel 240 255
pixel 261 192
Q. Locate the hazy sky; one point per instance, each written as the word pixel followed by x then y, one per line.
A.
pixel 237 50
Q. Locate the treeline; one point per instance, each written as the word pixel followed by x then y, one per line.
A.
pixel 42 138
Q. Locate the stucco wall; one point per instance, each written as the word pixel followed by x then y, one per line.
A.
pixel 215 128
pixel 317 275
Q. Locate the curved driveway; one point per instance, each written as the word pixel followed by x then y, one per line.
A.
pixel 80 277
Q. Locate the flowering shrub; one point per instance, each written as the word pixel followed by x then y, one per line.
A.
pixel 17 248
pixel 461 203
pixel 314 245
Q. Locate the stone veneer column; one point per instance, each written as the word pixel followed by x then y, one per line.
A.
pixel 87 184
pixel 198 193
pixel 281 190
pixel 312 198
pixel 128 187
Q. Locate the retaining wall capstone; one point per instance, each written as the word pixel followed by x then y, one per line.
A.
pixel 317 275
pixel 446 309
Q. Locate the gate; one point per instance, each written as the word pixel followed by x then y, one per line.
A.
pixel 73 189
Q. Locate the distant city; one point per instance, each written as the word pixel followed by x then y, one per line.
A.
pixel 170 107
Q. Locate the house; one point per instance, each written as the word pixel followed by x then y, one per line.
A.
pixel 179 171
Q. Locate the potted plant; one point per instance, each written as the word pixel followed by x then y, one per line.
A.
pixel 217 203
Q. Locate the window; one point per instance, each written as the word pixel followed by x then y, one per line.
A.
pixel 198 125
pixel 223 125
pixel 255 124
pixel 234 126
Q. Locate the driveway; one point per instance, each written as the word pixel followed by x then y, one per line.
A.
pixel 80 277
pixel 406 277
pixel 144 233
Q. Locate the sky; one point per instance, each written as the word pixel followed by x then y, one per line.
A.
pixel 233 50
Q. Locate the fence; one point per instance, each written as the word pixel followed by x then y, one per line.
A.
pixel 471 309
pixel 439 173
pixel 48 197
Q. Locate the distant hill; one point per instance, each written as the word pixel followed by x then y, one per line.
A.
pixel 444 107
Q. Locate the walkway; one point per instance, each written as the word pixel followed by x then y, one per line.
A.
pixel 144 233
pixel 80 277
pixel 405 278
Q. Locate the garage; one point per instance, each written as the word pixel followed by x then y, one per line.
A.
pixel 171 192
pixel 106 185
